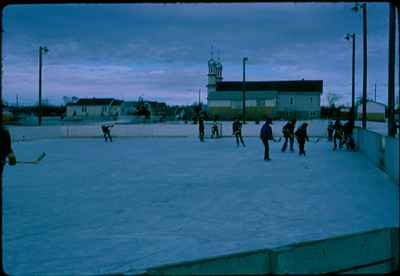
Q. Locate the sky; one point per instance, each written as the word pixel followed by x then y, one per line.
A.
pixel 160 51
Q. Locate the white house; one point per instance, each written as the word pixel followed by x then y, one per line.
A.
pixel 128 107
pixel 94 108
pixel 375 111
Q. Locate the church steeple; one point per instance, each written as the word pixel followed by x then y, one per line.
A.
pixel 219 67
pixel 212 69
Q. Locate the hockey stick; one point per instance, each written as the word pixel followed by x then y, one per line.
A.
pixel 40 158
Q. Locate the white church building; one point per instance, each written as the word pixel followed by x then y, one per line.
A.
pixel 298 99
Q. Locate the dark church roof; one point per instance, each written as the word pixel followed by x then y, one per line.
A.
pixel 97 101
pixel 280 86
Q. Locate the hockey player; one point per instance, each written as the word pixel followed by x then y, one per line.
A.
pixel 266 135
pixel 302 137
pixel 338 135
pixel 237 131
pixel 288 133
pixel 6 150
pixel 330 131
pixel 348 135
pixel 201 128
pixel 106 132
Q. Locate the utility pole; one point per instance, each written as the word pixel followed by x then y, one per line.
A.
pixel 364 107
pixel 391 70
pixel 375 92
pixel 353 62
pixel 244 90
pixel 44 49
pixel 1 100
pixel 40 87
pixel 364 95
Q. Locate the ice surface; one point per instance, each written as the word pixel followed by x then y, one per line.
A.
pixel 96 207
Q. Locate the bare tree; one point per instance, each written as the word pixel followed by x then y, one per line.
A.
pixel 333 98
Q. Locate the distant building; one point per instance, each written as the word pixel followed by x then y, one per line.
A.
pixel 94 108
pixel 345 112
pixel 285 99
pixel 128 107
pixel 375 111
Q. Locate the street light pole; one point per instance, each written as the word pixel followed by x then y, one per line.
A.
pixel 353 36
pixel 45 50
pixel 244 90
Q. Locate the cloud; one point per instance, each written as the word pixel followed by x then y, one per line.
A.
pixel 163 49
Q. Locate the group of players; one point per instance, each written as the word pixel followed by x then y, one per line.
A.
pixel 340 134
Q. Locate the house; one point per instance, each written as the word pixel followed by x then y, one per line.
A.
pixel 94 108
pixel 298 99
pixel 375 111
pixel 128 107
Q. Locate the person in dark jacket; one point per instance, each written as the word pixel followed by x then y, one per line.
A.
pixel 330 131
pixel 288 134
pixel 237 131
pixel 266 135
pixel 6 150
pixel 106 132
pixel 338 135
pixel 302 137
pixel 214 129
pixel 348 135
pixel 201 128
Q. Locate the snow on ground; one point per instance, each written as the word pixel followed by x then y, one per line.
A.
pixel 93 207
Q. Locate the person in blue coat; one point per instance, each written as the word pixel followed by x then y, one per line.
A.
pixel 266 135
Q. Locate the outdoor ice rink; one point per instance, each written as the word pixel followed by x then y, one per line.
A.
pixel 92 207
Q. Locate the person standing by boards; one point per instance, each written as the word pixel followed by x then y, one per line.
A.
pixel 330 131
pixel 201 128
pixel 6 150
pixel 338 135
